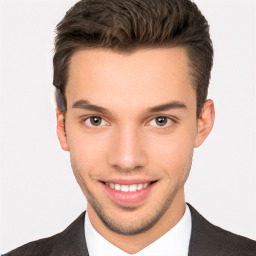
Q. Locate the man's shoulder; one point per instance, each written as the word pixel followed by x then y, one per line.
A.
pixel 40 247
pixel 211 239
pixel 68 242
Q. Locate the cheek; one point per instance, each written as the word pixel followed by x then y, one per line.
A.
pixel 173 152
pixel 86 162
pixel 86 153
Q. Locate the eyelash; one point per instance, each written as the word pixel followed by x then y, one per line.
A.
pixel 171 120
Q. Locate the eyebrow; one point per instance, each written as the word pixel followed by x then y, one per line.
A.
pixel 168 106
pixel 85 104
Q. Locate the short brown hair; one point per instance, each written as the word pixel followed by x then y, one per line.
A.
pixel 128 25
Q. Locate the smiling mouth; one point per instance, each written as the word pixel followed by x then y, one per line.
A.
pixel 129 188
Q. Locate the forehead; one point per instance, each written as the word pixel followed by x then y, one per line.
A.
pixel 148 76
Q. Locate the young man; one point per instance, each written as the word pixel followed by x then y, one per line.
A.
pixel 132 79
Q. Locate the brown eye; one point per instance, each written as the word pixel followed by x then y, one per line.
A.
pixel 94 121
pixel 161 121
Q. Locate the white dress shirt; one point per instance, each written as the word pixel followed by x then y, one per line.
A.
pixel 175 242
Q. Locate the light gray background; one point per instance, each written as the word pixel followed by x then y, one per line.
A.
pixel 39 195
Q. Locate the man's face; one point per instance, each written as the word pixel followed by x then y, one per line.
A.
pixel 131 128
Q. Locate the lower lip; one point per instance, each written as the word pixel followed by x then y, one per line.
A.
pixel 128 198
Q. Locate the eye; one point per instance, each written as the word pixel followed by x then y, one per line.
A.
pixel 161 121
pixel 95 121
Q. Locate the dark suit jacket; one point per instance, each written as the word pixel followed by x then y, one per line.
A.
pixel 206 240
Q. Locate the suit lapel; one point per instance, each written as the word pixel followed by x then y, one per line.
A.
pixel 202 237
pixel 72 240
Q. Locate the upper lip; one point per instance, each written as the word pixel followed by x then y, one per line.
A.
pixel 129 181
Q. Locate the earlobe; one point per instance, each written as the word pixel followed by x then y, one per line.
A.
pixel 205 122
pixel 61 132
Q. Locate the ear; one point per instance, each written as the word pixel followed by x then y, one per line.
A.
pixel 61 132
pixel 205 122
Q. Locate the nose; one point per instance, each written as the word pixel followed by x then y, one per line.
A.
pixel 127 151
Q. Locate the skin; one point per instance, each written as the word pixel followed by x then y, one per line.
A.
pixel 129 143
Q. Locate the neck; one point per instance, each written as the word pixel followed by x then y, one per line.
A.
pixel 135 243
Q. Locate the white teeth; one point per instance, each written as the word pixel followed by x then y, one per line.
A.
pixel 124 188
pixel 117 187
pixel 127 188
pixel 133 188
pixel 140 186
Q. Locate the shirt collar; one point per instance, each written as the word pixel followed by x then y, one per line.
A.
pixel 174 242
